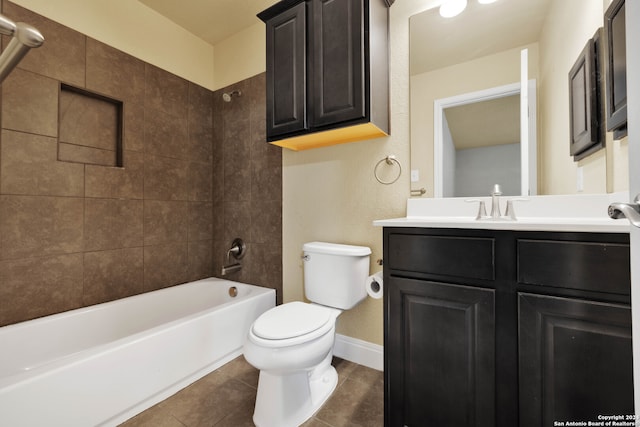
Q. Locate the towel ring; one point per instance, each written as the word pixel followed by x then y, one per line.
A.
pixel 389 160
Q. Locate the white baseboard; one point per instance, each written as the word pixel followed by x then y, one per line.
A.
pixel 359 351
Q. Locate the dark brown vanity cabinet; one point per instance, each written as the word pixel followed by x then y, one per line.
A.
pixel 444 371
pixel 505 328
pixel 327 71
pixel 575 359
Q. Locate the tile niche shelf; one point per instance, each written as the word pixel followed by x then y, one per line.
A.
pixel 90 128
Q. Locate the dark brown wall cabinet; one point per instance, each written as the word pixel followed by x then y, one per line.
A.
pixel 324 57
pixel 504 328
pixel 616 68
pixel 586 117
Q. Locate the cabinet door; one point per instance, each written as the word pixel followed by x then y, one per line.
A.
pixel 337 63
pixel 439 355
pixel 616 68
pixel 286 72
pixel 575 360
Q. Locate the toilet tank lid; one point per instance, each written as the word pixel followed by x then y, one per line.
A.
pixel 335 249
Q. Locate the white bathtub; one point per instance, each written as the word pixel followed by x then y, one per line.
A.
pixel 103 364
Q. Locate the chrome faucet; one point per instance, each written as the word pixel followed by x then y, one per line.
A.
pixel 495 202
pixel 496 215
pixel 238 250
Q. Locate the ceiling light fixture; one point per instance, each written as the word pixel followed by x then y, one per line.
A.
pixel 451 8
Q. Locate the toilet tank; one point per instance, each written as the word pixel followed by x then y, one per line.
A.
pixel 335 274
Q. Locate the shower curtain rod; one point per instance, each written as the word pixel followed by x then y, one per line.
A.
pixel 24 37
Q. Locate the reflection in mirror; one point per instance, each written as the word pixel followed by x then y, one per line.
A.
pixel 485 138
pixel 480 49
pixel 481 147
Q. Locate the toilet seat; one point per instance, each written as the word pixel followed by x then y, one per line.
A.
pixel 292 323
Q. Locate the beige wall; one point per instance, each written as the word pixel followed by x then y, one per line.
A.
pixel 490 71
pixel 132 27
pixel 604 171
pixel 241 56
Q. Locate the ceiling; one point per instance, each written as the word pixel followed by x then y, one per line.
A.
pixel 495 27
pixel 480 30
pixel 486 123
pixel 211 20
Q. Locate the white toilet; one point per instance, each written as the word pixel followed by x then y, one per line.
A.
pixel 292 344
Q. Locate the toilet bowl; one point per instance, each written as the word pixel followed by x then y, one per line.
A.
pixel 292 344
pixel 294 359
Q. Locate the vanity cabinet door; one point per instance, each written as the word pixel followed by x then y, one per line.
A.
pixel 575 360
pixel 439 354
pixel 286 71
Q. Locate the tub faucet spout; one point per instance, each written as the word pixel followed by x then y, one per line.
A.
pixel 232 268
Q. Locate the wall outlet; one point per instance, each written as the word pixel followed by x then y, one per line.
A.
pixel 580 179
pixel 415 175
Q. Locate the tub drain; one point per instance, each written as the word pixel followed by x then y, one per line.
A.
pixel 233 292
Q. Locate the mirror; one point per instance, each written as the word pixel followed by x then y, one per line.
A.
pixel 479 50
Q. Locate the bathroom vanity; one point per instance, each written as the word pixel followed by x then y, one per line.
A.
pixel 505 323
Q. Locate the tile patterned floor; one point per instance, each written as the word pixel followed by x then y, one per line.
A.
pixel 225 398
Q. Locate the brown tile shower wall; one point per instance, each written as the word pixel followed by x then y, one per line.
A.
pixel 75 234
pixel 247 182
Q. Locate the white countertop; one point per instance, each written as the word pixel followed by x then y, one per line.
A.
pixel 570 213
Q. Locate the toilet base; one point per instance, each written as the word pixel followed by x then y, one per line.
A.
pixel 291 399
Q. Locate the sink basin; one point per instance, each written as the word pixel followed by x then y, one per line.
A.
pixel 572 213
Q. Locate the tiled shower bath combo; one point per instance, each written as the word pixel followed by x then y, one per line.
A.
pixel 118 178
pixel 196 174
